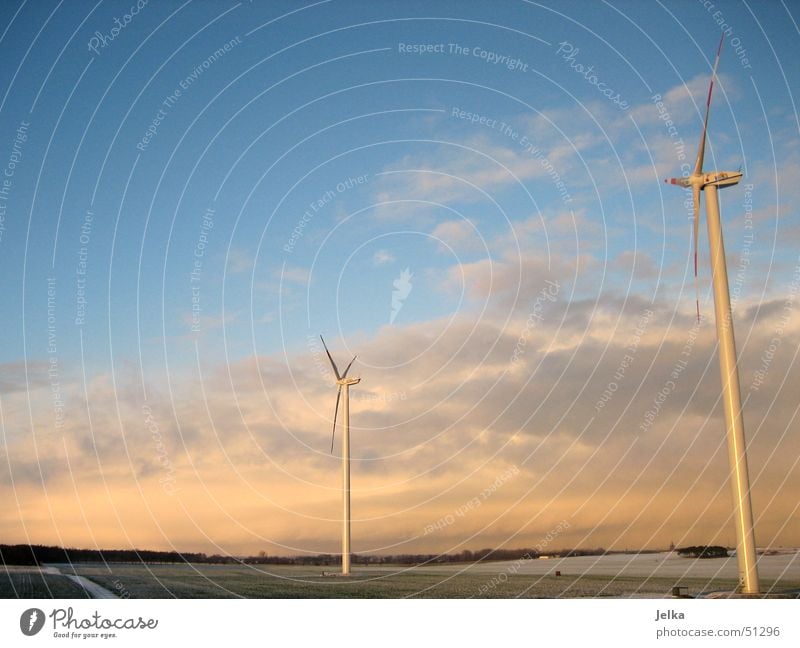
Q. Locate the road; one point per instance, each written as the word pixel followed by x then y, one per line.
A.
pixel 93 589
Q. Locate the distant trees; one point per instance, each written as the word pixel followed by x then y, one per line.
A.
pixel 703 551
pixel 38 554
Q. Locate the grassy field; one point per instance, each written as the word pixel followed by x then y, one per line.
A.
pixel 645 577
pixel 32 584
pixel 210 581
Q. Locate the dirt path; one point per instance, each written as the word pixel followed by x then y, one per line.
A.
pixel 93 589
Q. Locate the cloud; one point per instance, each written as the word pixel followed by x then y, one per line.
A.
pixel 382 257
pixel 564 387
pixel 471 169
pixel 685 102
pixel 459 236
pixel 19 376
pixel 636 264
pixel 293 274
pixel 443 410
pixel 239 261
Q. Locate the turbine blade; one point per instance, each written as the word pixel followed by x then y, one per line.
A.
pixel 333 364
pixel 695 234
pixel 344 375
pixel 698 165
pixel 683 182
pixel 335 414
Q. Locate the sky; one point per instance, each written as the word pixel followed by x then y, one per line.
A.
pixel 469 196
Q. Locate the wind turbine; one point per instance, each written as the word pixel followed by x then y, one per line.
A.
pixel 740 481
pixel 344 386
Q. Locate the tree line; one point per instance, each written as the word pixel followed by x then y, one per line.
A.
pixel 703 551
pixel 30 554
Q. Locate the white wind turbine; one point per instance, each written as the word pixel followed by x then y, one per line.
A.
pixel 740 481
pixel 343 383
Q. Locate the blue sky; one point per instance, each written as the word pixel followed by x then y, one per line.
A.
pixel 200 136
pixel 258 121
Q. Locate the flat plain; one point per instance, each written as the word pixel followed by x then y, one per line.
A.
pixel 30 583
pixel 610 576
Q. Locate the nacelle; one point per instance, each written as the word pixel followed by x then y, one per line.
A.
pixel 723 178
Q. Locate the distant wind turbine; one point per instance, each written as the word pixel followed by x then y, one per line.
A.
pixel 740 481
pixel 343 383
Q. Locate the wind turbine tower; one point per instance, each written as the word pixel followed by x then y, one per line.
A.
pixel 710 182
pixel 344 384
